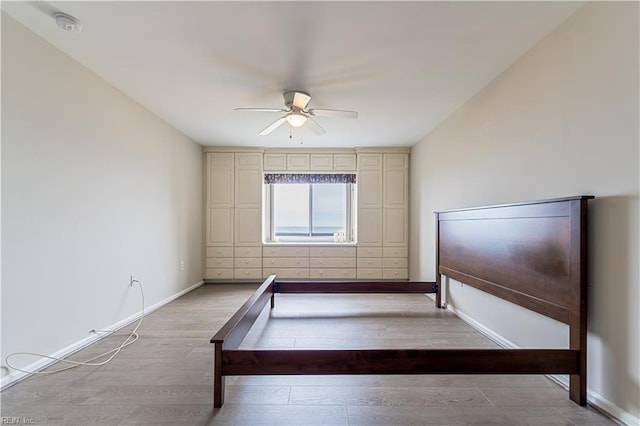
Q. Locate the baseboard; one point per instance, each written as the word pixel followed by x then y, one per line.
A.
pixel 16 376
pixel 594 399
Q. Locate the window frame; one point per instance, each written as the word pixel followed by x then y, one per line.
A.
pixel 269 225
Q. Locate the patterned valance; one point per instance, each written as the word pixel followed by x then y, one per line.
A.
pixel 309 178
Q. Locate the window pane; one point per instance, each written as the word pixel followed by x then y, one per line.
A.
pixel 291 209
pixel 329 208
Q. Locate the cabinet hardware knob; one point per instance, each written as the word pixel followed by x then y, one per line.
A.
pixel 369 272
pixel 370 262
pixel 247 273
pixel 395 272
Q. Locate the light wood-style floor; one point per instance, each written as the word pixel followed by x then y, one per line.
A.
pixel 166 377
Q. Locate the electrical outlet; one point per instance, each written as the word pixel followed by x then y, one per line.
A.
pixel 182 265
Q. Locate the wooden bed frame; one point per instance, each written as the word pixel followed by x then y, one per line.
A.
pixel 532 254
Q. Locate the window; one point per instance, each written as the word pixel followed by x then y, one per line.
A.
pixel 306 208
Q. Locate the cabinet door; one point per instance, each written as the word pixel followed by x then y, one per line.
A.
pixel 219 227
pixel 394 228
pixel 369 180
pixel 248 180
pixel 219 183
pixel 369 227
pixel 323 162
pixel 275 162
pixel 248 227
pixel 396 177
pixel 344 162
pixel 297 161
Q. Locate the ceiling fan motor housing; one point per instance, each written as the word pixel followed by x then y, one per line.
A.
pixel 290 96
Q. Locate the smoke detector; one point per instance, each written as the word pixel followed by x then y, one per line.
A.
pixel 67 22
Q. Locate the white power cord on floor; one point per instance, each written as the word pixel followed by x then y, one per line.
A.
pixel 131 338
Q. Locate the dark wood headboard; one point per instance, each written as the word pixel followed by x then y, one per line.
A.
pixel 532 254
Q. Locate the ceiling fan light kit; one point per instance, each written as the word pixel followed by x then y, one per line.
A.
pixel 296 114
pixel 296 119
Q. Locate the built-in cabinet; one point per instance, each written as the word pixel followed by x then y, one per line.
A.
pixel 383 234
pixel 304 162
pixel 233 226
pixel 234 216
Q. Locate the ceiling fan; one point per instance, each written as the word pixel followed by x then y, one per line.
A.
pixel 296 114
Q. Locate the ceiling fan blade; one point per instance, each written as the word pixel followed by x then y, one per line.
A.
pixel 261 109
pixel 301 100
pixel 338 113
pixel 271 127
pixel 315 126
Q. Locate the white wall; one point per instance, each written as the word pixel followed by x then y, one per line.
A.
pixel 95 188
pixel 563 120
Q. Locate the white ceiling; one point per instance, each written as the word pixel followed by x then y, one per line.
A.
pixel 404 66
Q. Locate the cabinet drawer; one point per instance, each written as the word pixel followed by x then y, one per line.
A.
pixel 244 273
pixel 219 262
pixel 332 273
pixel 285 262
pixel 394 262
pixel 286 273
pixel 248 262
pixel 332 252
pixel 248 252
pixel 218 274
pixel 395 274
pixel 369 274
pixel 369 251
pixel 369 262
pixel 285 251
pixel 219 252
pixel 395 252
pixel 332 262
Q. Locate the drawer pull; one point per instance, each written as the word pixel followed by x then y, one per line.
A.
pixel 218 261
pixel 370 273
pixel 246 262
pixel 369 251
pixel 219 251
pixel 298 261
pixel 297 272
pixel 344 262
pixel 344 273
pixel 321 262
pixel 273 262
pixel 219 273
pixel 395 272
pixel 247 273
pixel 370 263
pixel 320 273
pixel 321 251
pixel 273 250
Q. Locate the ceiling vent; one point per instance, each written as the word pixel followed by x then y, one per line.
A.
pixel 67 22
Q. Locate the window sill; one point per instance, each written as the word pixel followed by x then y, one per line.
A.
pixel 308 243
